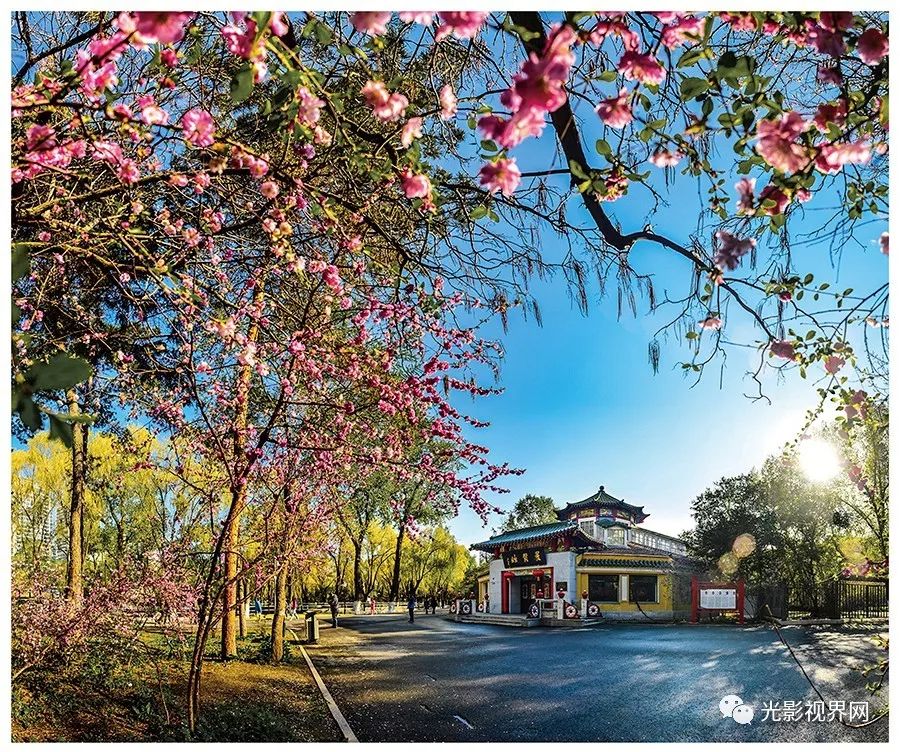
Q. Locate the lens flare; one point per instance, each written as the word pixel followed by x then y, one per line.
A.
pixel 818 460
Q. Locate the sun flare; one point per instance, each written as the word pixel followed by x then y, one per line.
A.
pixel 818 460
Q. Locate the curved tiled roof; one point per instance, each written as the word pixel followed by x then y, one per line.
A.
pixel 537 532
pixel 603 499
pixel 634 563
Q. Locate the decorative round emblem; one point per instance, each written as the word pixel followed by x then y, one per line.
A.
pixel 593 609
pixel 452 608
pixel 481 607
pixel 571 611
pixel 534 612
pixel 467 608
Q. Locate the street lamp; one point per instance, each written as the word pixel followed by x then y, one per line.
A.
pixel 818 460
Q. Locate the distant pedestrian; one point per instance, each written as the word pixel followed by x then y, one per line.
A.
pixel 372 605
pixel 257 607
pixel 430 602
pixel 411 607
pixel 333 604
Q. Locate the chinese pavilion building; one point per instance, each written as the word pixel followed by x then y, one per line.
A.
pixel 596 557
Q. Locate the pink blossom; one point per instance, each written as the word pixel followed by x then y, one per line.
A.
pixel 107 151
pixel 856 405
pixel 40 137
pixel 538 88
pixel 501 175
pixel 826 41
pixel 883 242
pixel 664 158
pixel 783 349
pixel 198 127
pixel 128 171
pixel 385 106
pixel 462 24
pixel 645 68
pixel 710 322
pixel 165 27
pixel 830 113
pixel 448 102
pixel 269 189
pixel 168 57
pixel 373 23
pixel 731 249
pixel 151 112
pixel 777 142
pixel 832 157
pixel 684 30
pixel 332 277
pixel 616 111
pixel 416 16
pixel 829 74
pixel 872 46
pixel 411 131
pixel 836 20
pixel 308 106
pixel 745 188
pixel 773 193
pixel 415 185
pixel 833 364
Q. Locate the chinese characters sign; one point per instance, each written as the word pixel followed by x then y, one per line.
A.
pixel 525 558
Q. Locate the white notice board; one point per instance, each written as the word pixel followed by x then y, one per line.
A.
pixel 718 598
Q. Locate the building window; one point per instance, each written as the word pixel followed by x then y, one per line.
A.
pixel 587 527
pixel 603 588
pixel 642 588
pixel 615 536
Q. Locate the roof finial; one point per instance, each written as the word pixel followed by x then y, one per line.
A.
pixel 601 489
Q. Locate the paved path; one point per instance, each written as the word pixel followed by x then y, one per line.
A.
pixel 437 680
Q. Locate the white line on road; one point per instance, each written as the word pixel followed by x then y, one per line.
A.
pixel 329 700
pixel 464 722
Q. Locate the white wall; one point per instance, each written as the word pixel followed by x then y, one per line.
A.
pixel 563 563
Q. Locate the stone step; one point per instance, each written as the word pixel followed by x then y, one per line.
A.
pixel 504 620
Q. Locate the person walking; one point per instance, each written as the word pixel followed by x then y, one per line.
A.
pixel 257 607
pixel 372 605
pixel 411 607
pixel 333 604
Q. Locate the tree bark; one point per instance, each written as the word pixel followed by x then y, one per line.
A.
pixel 238 499
pixel 242 606
pixel 74 580
pixel 357 572
pixel 278 617
pixel 395 577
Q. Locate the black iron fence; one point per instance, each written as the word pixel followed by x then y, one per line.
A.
pixel 838 599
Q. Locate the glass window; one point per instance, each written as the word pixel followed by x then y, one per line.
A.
pixel 603 588
pixel 642 588
pixel 587 527
pixel 615 536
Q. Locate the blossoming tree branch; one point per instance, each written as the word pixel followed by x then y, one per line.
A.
pixel 275 236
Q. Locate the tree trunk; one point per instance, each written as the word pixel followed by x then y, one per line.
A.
pixel 357 572
pixel 229 593
pixel 395 578
pixel 239 497
pixel 278 617
pixel 242 607
pixel 74 581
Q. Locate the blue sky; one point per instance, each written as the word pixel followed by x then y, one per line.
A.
pixel 582 406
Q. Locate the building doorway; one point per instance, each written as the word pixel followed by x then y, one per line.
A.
pixel 533 588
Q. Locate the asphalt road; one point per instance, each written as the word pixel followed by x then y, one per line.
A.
pixel 437 680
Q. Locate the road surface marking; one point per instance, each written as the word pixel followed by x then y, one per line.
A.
pixel 464 722
pixel 329 700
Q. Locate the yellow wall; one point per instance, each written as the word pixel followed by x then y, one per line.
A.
pixel 664 590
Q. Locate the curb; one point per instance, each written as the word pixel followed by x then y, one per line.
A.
pixel 335 711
